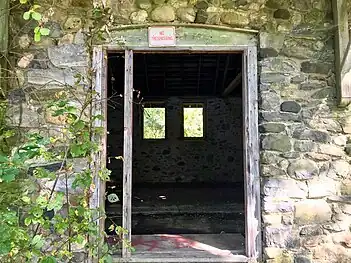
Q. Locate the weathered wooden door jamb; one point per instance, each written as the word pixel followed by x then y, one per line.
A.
pixel 250 144
pixel 4 36
pixel 342 52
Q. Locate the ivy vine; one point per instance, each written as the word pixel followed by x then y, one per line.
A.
pixel 34 14
pixel 45 216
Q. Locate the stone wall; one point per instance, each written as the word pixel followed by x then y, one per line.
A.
pixel 305 137
pixel 216 159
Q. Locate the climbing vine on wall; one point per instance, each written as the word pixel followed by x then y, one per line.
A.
pixel 33 13
pixel 51 200
pixel 47 181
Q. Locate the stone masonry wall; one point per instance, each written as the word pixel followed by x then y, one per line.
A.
pixel 218 158
pixel 305 137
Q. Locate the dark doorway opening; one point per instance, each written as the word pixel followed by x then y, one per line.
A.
pixel 187 146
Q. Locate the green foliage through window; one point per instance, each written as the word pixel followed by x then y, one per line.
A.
pixel 154 123
pixel 193 122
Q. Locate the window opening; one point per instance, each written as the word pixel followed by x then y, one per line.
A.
pixel 193 121
pixel 154 122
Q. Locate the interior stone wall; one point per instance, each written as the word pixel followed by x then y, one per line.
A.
pixel 305 136
pixel 215 159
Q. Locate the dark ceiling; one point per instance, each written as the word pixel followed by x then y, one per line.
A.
pixel 188 74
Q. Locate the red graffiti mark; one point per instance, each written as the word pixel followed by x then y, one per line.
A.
pixel 179 241
pixel 150 244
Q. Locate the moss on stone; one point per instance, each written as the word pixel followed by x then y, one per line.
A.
pixel 315 17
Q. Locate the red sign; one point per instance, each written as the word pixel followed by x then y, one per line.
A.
pixel 162 36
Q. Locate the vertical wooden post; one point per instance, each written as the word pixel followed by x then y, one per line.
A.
pixel 99 102
pixel 4 36
pixel 253 237
pixel 127 151
pixel 342 51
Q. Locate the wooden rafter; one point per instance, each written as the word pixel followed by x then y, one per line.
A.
pixel 225 70
pixel 232 85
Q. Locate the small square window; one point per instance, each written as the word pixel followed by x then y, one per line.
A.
pixel 193 121
pixel 154 122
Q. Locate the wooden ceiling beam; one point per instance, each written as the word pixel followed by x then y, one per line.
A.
pixel 232 85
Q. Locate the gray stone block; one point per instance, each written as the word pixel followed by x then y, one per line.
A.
pixel 312 212
pixel 69 55
pixel 284 188
pixel 314 135
pixel 303 169
pixel 277 142
pixel 290 106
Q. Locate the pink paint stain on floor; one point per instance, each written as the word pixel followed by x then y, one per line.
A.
pixel 165 245
pixel 166 242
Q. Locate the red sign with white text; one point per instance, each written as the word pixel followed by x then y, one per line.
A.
pixel 162 36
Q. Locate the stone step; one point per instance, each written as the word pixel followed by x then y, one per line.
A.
pixel 189 209
pixel 190 223
pixel 172 209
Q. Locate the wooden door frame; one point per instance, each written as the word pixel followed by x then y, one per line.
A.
pixel 253 238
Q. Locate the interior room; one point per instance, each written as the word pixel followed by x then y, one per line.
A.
pixel 188 180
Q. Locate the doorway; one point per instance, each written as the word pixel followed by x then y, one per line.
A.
pixel 179 190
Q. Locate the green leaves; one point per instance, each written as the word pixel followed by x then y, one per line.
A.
pixel 26 15
pixel 32 13
pixel 37 35
pixel 38 242
pixel 49 259
pixel 104 174
pixel 56 203
pixel 78 150
pixel 35 203
pixel 8 171
pixel 44 31
pixel 27 221
pixel 107 259
pixel 8 174
pixel 36 16
pixel 43 173
pixel 82 180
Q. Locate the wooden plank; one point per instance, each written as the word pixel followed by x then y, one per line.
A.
pixel 4 36
pixel 342 51
pixel 99 107
pixel 160 209
pixel 251 156
pixel 188 38
pixel 225 71
pixel 127 151
pixel 179 258
pixel 232 85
